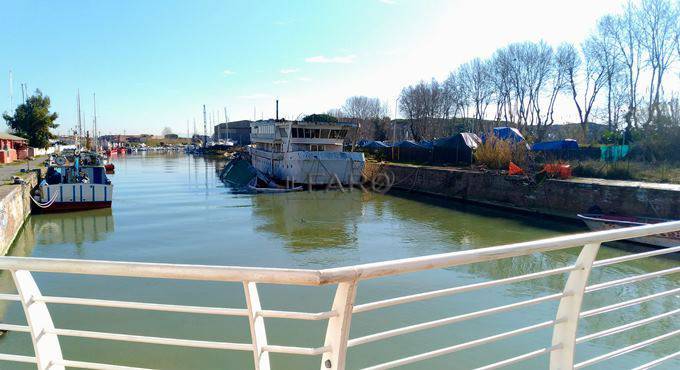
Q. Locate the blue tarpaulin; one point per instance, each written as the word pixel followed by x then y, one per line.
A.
pixel 567 144
pixel 375 145
pixel 508 133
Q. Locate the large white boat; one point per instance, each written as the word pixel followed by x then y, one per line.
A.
pixel 305 152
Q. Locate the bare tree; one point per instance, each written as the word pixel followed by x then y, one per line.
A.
pixel 608 57
pixel 366 112
pixel 500 77
pixel 424 104
pixel 475 77
pixel 587 78
pixel 658 24
pixel 166 131
pixel 624 32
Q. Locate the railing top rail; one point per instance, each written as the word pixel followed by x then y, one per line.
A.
pixel 326 276
pixel 434 261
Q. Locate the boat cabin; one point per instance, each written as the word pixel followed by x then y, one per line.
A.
pixel 294 136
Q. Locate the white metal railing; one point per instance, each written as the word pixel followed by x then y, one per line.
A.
pixel 333 351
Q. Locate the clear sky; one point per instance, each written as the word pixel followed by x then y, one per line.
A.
pixel 154 64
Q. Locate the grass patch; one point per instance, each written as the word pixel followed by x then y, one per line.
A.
pixel 637 171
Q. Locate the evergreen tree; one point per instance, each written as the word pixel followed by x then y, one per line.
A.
pixel 32 120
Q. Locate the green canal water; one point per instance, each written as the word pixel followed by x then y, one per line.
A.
pixel 173 208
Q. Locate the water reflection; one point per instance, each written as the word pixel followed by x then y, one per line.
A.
pixel 305 220
pixel 74 228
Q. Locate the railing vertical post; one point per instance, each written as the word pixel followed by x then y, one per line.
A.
pixel 257 329
pixel 45 345
pixel 564 332
pixel 337 332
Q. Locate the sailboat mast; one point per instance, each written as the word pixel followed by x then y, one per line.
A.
pixel 80 128
pixel 226 122
pixel 94 101
pixel 11 92
pixel 205 127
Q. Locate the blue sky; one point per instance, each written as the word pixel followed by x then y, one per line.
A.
pixel 154 64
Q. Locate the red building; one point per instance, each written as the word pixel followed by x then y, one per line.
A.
pixel 9 145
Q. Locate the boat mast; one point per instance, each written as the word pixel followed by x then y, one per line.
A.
pixel 226 122
pixel 79 130
pixel 205 128
pixel 96 143
pixel 11 92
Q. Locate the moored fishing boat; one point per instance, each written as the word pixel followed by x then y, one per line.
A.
pixel 73 183
pixel 599 222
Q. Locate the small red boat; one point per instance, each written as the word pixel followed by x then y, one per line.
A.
pixel 599 222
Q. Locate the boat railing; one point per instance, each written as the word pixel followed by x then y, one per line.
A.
pixel 332 353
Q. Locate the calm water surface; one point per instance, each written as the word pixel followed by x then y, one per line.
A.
pixel 173 208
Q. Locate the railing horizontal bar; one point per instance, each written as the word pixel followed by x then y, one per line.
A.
pixel 162 270
pixel 461 346
pixel 296 315
pixel 11 327
pixel 632 302
pixel 17 358
pixel 406 265
pixel 520 358
pixel 333 275
pixel 631 325
pixel 145 306
pixel 9 297
pixel 635 256
pixel 296 350
pixel 631 279
pixel 658 361
pixel 449 320
pixel 625 350
pixel 96 366
pixel 154 340
pixel 455 290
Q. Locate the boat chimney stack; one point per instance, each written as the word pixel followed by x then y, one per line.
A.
pixel 277 109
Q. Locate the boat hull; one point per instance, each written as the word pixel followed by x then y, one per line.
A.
pixel 665 240
pixel 314 168
pixel 74 197
pixel 58 207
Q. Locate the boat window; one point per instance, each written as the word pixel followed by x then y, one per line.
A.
pixel 315 133
pixel 325 133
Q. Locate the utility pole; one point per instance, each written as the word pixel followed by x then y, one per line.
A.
pixel 205 128
pixel 277 109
